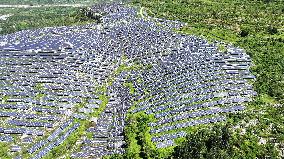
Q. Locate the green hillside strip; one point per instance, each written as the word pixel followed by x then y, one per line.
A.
pixel 70 144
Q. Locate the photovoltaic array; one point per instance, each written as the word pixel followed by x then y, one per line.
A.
pixel 50 80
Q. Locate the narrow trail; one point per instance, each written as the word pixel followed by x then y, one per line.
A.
pixel 45 5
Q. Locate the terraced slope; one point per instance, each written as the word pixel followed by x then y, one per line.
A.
pixel 67 85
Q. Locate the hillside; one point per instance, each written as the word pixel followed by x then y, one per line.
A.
pixel 143 79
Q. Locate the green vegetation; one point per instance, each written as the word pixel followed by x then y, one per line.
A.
pixel 104 98
pixel 70 143
pixel 131 87
pixel 30 18
pixel 218 142
pixel 138 138
pixel 4 150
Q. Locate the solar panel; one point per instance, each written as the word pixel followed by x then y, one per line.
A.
pixel 49 80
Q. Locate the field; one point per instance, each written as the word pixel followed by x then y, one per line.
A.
pixel 254 26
